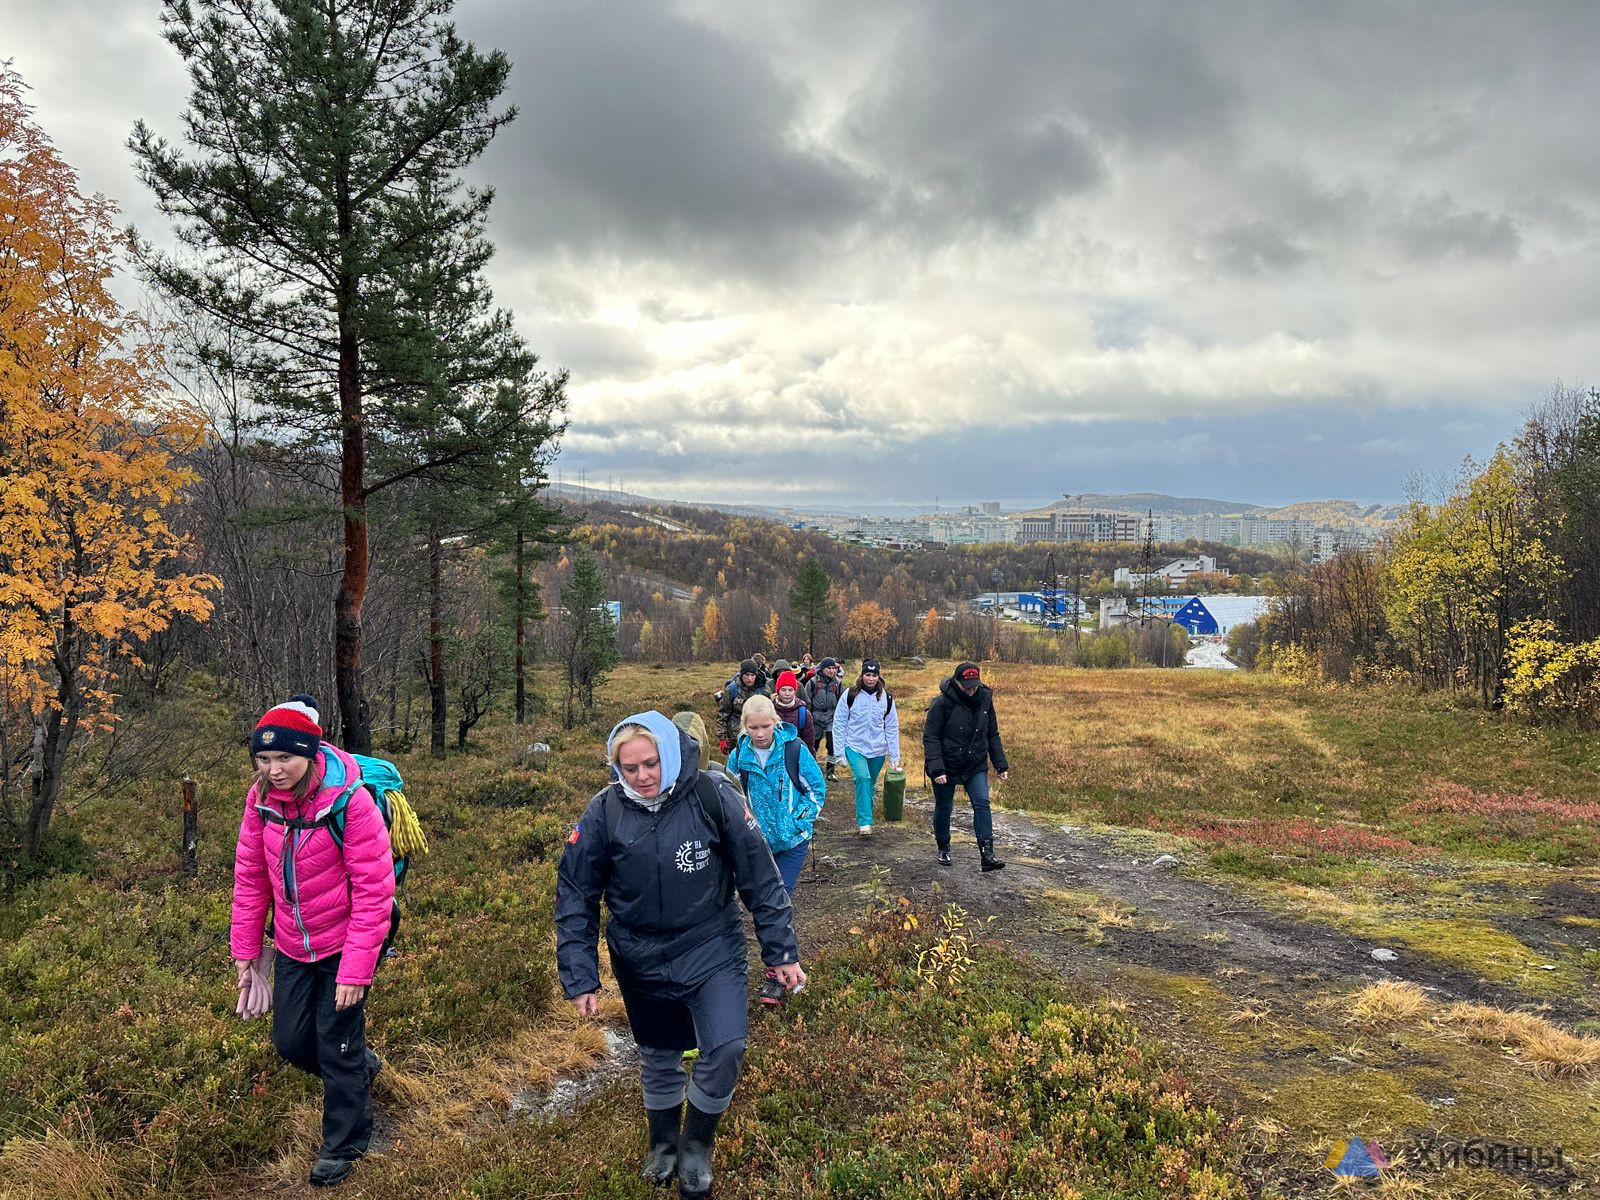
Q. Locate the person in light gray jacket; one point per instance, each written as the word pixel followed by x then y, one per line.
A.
pixel 867 727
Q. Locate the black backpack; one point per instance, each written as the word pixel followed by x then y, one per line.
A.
pixel 705 790
pixel 850 701
pixel 791 764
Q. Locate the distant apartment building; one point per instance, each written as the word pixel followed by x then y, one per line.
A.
pixel 1258 531
pixel 1061 526
pixel 967 528
pixel 1330 543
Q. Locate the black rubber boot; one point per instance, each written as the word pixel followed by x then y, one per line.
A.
pixel 662 1163
pixel 828 771
pixel 944 854
pixel 986 853
pixel 694 1159
pixel 331 1172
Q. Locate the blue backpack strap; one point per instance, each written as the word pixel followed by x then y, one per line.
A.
pixel 336 815
pixel 340 812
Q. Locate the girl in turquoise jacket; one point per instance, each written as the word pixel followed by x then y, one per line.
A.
pixel 785 790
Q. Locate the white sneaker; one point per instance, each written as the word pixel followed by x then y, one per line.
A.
pixel 864 830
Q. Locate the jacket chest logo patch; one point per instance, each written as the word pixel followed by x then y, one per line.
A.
pixel 692 856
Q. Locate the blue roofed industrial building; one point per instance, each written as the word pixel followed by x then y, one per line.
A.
pixel 1218 614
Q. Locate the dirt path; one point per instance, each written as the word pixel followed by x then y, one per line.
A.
pixel 1247 996
pixel 1160 919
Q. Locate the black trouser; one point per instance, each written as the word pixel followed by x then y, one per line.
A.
pixel 328 1044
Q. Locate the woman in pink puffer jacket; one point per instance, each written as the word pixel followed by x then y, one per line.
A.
pixel 331 906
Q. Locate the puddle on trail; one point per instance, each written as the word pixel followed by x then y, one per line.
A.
pixel 569 1095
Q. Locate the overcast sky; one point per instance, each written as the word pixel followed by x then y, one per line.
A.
pixel 833 250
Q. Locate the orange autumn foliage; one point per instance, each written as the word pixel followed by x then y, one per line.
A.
pixel 88 437
pixel 868 625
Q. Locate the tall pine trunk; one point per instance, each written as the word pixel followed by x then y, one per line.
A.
pixel 353 493
pixel 522 629
pixel 436 641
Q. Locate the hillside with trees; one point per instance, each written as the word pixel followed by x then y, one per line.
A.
pixel 1489 589
pixel 669 564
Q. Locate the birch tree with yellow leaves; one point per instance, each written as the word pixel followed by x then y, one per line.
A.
pixel 90 568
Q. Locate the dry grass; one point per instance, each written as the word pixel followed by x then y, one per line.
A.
pixel 1536 1043
pixel 1387 1002
pixel 1251 1012
pixel 1401 1186
pixel 1547 1049
pixel 66 1163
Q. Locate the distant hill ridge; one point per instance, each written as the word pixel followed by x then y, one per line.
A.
pixel 1330 512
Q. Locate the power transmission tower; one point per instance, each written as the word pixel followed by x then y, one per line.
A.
pixel 1050 588
pixel 1077 599
pixel 1147 560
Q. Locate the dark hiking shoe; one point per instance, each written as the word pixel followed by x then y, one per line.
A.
pixel 694 1157
pixel 772 992
pixel 944 854
pixel 331 1172
pixel 662 1162
pixel 986 854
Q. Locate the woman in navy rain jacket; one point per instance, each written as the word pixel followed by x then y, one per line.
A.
pixel 667 847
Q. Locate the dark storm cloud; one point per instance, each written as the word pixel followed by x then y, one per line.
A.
pixel 642 131
pixel 1255 247
pixel 916 229
pixel 1434 230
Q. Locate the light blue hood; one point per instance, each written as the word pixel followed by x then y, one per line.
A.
pixel 667 737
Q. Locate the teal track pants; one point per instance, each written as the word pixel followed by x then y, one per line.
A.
pixel 865 773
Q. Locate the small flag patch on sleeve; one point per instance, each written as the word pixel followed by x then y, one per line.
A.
pixel 577 831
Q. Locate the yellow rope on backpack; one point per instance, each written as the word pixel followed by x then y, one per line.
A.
pixel 405 831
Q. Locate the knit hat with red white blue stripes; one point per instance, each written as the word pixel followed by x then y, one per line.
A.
pixel 289 728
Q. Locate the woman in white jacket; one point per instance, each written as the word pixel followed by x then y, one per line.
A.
pixel 867 727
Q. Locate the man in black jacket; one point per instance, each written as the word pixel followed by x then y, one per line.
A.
pixel 959 740
pixel 668 848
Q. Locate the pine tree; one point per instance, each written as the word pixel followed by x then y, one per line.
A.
pixel 810 599
pixel 589 637
pixel 313 128
pixel 467 421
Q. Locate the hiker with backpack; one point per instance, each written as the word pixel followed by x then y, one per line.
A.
pixel 748 682
pixel 792 710
pixel 868 729
pixel 822 694
pixel 785 790
pixel 691 723
pixel 960 738
pixel 315 850
pixel 666 846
